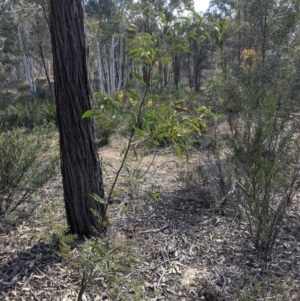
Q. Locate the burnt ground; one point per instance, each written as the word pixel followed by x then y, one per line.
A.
pixel 176 243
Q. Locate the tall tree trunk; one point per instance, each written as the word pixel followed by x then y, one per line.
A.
pixel 112 65
pixel 165 75
pixel 121 63
pixel 189 72
pixel 197 69
pixel 108 86
pixel 45 68
pixel 176 69
pixel 81 172
pixel 100 68
pixel 27 61
pixel 160 72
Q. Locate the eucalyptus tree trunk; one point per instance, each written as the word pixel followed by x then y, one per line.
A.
pixel 165 74
pixel 121 64
pixel 45 68
pixel 112 65
pixel 27 61
pixel 108 86
pixel 32 75
pixel 176 69
pixel 80 168
pixel 100 68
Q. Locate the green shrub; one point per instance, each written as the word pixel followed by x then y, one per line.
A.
pixel 110 109
pixel 264 158
pixel 257 157
pixel 5 100
pixel 27 114
pixel 48 112
pixel 26 165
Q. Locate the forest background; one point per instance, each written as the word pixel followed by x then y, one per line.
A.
pixel 217 89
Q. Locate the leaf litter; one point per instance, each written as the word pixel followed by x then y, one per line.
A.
pixel 184 247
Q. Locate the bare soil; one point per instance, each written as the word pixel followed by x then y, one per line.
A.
pixel 177 244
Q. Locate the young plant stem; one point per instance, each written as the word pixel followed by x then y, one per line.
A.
pixel 129 144
pixel 84 282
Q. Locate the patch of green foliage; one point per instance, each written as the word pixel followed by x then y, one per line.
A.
pixel 109 118
pixel 26 165
pixel 21 110
pixel 102 260
pixel 259 175
pixel 264 289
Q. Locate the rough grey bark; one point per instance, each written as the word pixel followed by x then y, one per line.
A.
pixel 81 171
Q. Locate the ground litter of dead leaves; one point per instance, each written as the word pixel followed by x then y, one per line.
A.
pixel 183 246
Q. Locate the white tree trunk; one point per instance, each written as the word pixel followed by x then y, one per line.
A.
pixel 121 63
pixel 100 68
pixel 107 72
pixel 27 64
pixel 31 75
pixel 27 61
pixel 112 65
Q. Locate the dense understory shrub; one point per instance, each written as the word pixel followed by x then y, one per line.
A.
pixel 264 162
pixel 110 109
pixel 165 120
pixel 257 155
pixel 22 110
pixel 27 163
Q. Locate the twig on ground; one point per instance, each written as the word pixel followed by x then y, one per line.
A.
pixel 160 278
pixel 155 230
pixel 34 296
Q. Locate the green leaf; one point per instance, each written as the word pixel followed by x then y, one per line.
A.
pixel 138 131
pixel 133 94
pixel 203 124
pixel 206 35
pixel 185 18
pixel 148 116
pixel 135 52
pixel 135 153
pixel 164 60
pixel 163 110
pixel 147 127
pixel 148 49
pixel 178 151
pixel 115 250
pixel 196 15
pixel 98 199
pixel 137 76
pixel 184 49
pixel 187 156
pixel 153 96
pixel 197 130
pixel 163 18
pixel 156 196
pixel 90 113
pixel 127 168
pixel 132 28
pixel 98 250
